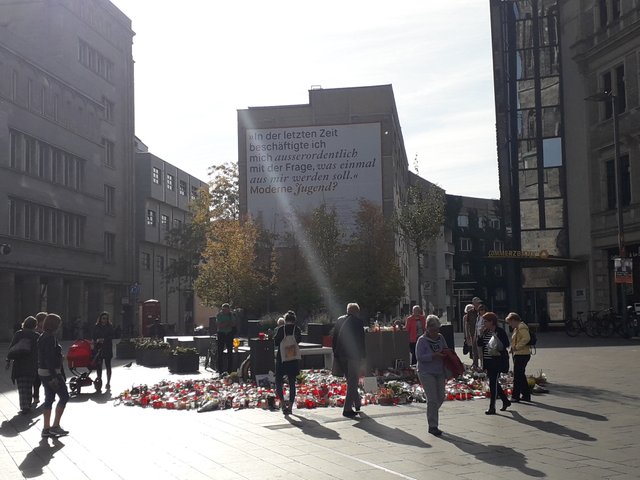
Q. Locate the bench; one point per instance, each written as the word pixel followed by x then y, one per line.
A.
pixel 326 352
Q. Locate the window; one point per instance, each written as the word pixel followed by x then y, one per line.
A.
pixel 109 148
pixel 14 221
pixel 145 260
pixel 501 294
pixel 465 244
pixel 465 269
pixel 625 182
pixel 177 223
pixel 463 221
pixel 151 218
pixel 497 270
pixel 108 109
pixel 194 193
pixel 495 223
pixel 109 200
pixel 182 188
pixel 28 221
pixel 155 175
pixel 621 91
pixel 164 222
pixel 109 247
pixel 160 263
pixel 94 60
pixel 498 245
pixel 615 9
pixel 602 10
pixel 170 182
pixel 607 80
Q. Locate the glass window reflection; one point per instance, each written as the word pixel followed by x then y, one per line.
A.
pixel 552 152
pixel 529 215
pixel 526 124
pixel 525 63
pixel 544 277
pixel 524 34
pixel 552 186
pixel 549 61
pixel 548 240
pixel 526 94
pixel 553 213
pixel 550 91
pixel 550 122
pixel 528 180
pixel 527 154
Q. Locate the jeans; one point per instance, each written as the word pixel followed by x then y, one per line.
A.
pixel 351 367
pixel 291 370
pixel 520 384
pixel 493 372
pixel 51 392
pixel 433 386
pixel 225 340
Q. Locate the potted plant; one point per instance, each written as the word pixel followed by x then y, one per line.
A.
pixel 151 352
pixel 184 360
pixel 385 396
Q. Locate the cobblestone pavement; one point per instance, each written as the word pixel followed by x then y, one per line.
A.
pixel 587 427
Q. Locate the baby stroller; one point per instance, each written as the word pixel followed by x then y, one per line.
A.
pixel 81 355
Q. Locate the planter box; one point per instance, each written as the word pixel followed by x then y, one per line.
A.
pixel 125 350
pixel 184 363
pixel 153 358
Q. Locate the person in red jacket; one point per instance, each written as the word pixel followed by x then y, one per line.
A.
pixel 416 325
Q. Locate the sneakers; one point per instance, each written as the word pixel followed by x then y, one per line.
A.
pixel 55 432
pixel 435 431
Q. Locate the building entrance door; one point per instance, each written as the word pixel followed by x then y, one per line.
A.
pixel 544 307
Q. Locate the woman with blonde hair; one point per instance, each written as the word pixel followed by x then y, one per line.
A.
pixel 52 376
pixel 521 352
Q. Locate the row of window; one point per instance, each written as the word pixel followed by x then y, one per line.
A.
pixel 483 222
pixel 94 60
pixel 466 244
pixel 145 261
pixel 608 12
pixel 465 270
pixel 38 158
pixel 45 224
pixel 156 177
pixel 164 220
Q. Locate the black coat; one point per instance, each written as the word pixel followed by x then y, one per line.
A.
pixel 501 362
pixel 106 332
pixel 49 354
pixel 348 338
pixel 25 366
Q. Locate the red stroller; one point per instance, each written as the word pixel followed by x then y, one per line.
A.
pixel 81 355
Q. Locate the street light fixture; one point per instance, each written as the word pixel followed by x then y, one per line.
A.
pixel 604 97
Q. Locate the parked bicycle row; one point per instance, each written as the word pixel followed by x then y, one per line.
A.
pixel 604 323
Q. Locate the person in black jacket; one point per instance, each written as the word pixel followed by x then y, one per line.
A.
pixel 25 368
pixel 52 376
pixel 349 351
pixel 289 368
pixel 103 334
pixel 495 360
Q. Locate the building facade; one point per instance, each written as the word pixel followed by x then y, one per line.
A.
pixel 163 194
pixel 556 149
pixel 66 161
pixel 477 232
pixel 344 145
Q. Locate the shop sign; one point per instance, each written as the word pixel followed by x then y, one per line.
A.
pixel 623 268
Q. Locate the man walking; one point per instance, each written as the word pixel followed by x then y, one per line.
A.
pixel 349 351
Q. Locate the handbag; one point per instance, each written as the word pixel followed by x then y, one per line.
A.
pixel 452 364
pixel 20 349
pixel 494 347
pixel 289 349
pixel 465 348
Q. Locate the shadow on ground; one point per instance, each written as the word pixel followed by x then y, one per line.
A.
pixel 498 455
pixel 312 427
pixel 389 434
pixel 552 427
pixel 38 458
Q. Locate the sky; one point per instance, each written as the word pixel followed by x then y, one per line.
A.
pixel 198 61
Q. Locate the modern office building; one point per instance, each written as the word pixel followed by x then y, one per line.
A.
pixel 66 161
pixel 477 232
pixel 556 149
pixel 163 194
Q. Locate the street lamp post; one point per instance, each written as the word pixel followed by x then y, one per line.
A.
pixel 613 99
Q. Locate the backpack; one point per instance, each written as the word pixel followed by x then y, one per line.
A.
pixel 289 349
pixel 533 340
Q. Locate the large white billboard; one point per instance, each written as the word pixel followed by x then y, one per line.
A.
pixel 296 169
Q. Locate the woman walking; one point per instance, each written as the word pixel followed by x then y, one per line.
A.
pixel 521 352
pixel 429 350
pixel 52 376
pixel 103 334
pixel 25 367
pixel 291 368
pixel 494 343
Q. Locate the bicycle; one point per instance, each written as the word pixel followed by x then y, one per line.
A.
pixel 574 326
pixel 211 357
pixel 614 323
